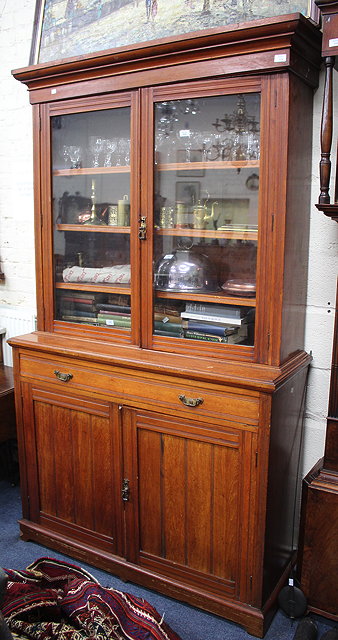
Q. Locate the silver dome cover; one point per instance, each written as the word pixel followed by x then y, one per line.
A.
pixel 185 270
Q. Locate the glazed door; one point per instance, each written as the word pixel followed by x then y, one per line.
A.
pixel 93 279
pixel 73 469
pixel 190 495
pixel 206 224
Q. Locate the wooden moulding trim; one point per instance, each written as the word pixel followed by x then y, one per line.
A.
pixel 326 481
pixel 330 210
pixel 249 617
pixel 321 612
pixel 327 6
pixel 258 377
pixel 256 36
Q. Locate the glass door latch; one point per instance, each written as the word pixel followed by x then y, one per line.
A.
pixel 142 230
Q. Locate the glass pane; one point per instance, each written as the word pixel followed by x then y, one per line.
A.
pixel 91 209
pixel 206 218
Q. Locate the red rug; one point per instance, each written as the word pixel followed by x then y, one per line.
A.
pixel 54 600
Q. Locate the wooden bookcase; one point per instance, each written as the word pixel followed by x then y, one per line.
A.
pixel 165 456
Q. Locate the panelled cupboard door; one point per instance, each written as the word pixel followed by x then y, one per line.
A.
pixel 191 490
pixel 72 445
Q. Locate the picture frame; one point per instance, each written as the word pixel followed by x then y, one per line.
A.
pixel 67 29
pixel 195 156
pixel 188 192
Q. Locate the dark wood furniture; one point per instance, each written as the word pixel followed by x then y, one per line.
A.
pixel 7 416
pixel 318 561
pixel 318 558
pixel 169 460
pixel 329 13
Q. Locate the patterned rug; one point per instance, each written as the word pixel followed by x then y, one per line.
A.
pixel 54 600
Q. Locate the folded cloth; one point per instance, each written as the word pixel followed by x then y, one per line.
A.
pixel 52 599
pixel 117 274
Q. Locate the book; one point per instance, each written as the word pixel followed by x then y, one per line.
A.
pixel 206 337
pixel 79 299
pixel 234 338
pixel 114 321
pixel 116 314
pixel 114 308
pixel 78 313
pixel 164 318
pixel 212 329
pixel 168 326
pixel 112 316
pixel 204 317
pixel 167 334
pixel 72 307
pixel 216 309
pixel 83 319
pixel 167 309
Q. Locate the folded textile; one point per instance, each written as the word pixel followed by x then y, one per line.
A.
pixel 52 599
pixel 117 274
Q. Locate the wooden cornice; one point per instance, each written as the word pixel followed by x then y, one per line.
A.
pixel 261 36
pixel 327 6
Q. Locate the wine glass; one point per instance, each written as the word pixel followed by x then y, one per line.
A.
pixel 125 150
pixel 74 153
pixel 65 153
pixel 186 137
pixel 109 147
pixel 205 139
pixel 96 146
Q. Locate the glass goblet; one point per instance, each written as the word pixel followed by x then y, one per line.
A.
pixel 75 156
pixel 109 146
pixel 65 153
pixel 125 150
pixel 186 137
pixel 96 147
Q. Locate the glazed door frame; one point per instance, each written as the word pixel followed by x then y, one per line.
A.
pixel 44 217
pixel 274 91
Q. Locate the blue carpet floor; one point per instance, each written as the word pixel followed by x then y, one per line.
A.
pixel 188 622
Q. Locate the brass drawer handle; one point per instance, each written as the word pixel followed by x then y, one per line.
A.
pixel 64 377
pixel 190 402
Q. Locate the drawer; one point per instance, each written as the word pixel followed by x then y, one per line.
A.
pixel 141 389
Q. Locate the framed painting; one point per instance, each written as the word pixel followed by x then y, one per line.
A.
pixel 188 192
pixel 67 28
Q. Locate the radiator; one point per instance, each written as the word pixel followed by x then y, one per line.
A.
pixel 16 321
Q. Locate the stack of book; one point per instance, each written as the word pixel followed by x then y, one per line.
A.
pixel 93 308
pixel 114 315
pixel 79 307
pixel 214 323
pixel 167 321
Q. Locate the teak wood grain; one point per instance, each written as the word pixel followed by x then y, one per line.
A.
pixel 193 501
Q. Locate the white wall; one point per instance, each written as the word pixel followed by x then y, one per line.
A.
pixel 16 220
pixel 321 300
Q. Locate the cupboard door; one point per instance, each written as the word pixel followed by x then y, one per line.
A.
pixel 205 241
pixel 94 200
pixel 189 501
pixel 73 476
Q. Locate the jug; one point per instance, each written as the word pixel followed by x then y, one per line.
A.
pixel 201 214
pixel 123 212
